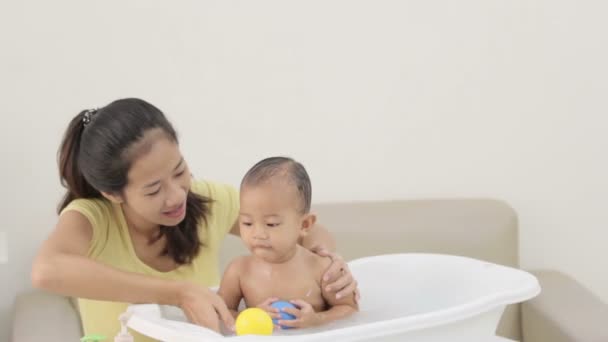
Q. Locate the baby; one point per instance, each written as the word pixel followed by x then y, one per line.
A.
pixel 274 215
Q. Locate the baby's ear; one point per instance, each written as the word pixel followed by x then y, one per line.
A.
pixel 308 221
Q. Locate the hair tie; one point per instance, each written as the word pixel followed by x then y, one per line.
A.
pixel 88 116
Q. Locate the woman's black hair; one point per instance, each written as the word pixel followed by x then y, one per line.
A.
pixel 95 157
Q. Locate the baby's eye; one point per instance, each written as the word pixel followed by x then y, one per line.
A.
pixel 272 224
pixel 246 224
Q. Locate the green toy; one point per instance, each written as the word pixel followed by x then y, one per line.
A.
pixel 93 338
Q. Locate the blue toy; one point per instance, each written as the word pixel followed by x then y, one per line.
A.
pixel 281 304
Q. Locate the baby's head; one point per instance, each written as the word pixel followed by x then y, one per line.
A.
pixel 275 208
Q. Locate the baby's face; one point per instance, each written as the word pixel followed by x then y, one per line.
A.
pixel 270 221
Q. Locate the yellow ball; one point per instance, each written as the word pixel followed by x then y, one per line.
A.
pixel 253 321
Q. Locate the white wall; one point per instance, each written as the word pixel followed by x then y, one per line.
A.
pixel 379 99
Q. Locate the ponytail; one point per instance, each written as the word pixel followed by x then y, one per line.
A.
pixel 69 171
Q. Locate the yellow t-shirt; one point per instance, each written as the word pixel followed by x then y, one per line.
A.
pixel 111 245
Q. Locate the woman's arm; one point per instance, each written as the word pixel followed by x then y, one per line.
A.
pixel 62 267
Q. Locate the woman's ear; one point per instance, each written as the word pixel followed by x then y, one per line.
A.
pixel 112 197
pixel 307 223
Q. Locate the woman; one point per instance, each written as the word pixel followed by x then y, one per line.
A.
pixel 135 228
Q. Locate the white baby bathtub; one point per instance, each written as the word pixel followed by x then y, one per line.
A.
pixel 404 297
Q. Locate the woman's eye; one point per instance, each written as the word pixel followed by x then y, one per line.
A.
pixel 153 193
pixel 179 174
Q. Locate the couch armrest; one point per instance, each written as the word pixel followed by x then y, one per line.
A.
pixel 564 311
pixel 42 316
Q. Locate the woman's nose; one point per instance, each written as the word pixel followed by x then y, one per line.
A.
pixel 175 196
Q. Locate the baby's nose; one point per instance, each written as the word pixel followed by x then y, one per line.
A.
pixel 260 232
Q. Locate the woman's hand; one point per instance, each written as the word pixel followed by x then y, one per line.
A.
pixel 265 305
pixel 305 315
pixel 204 307
pixel 338 276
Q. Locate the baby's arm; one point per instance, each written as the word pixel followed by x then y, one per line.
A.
pixel 306 317
pixel 230 288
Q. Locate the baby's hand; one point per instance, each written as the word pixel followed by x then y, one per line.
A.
pixel 305 315
pixel 265 305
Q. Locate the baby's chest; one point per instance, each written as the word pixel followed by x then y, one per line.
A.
pixel 294 285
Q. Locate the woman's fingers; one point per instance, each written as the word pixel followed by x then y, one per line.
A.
pixel 337 264
pixel 224 314
pixel 338 277
pixel 190 315
pixel 343 286
pixel 205 308
pixel 208 318
pixel 350 289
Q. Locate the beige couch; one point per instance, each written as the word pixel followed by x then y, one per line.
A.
pixel 483 229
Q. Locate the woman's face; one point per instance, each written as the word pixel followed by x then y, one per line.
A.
pixel 158 182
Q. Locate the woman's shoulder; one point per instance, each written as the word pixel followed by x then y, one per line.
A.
pixel 88 203
pixel 95 209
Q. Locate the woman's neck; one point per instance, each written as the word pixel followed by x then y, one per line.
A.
pixel 138 225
